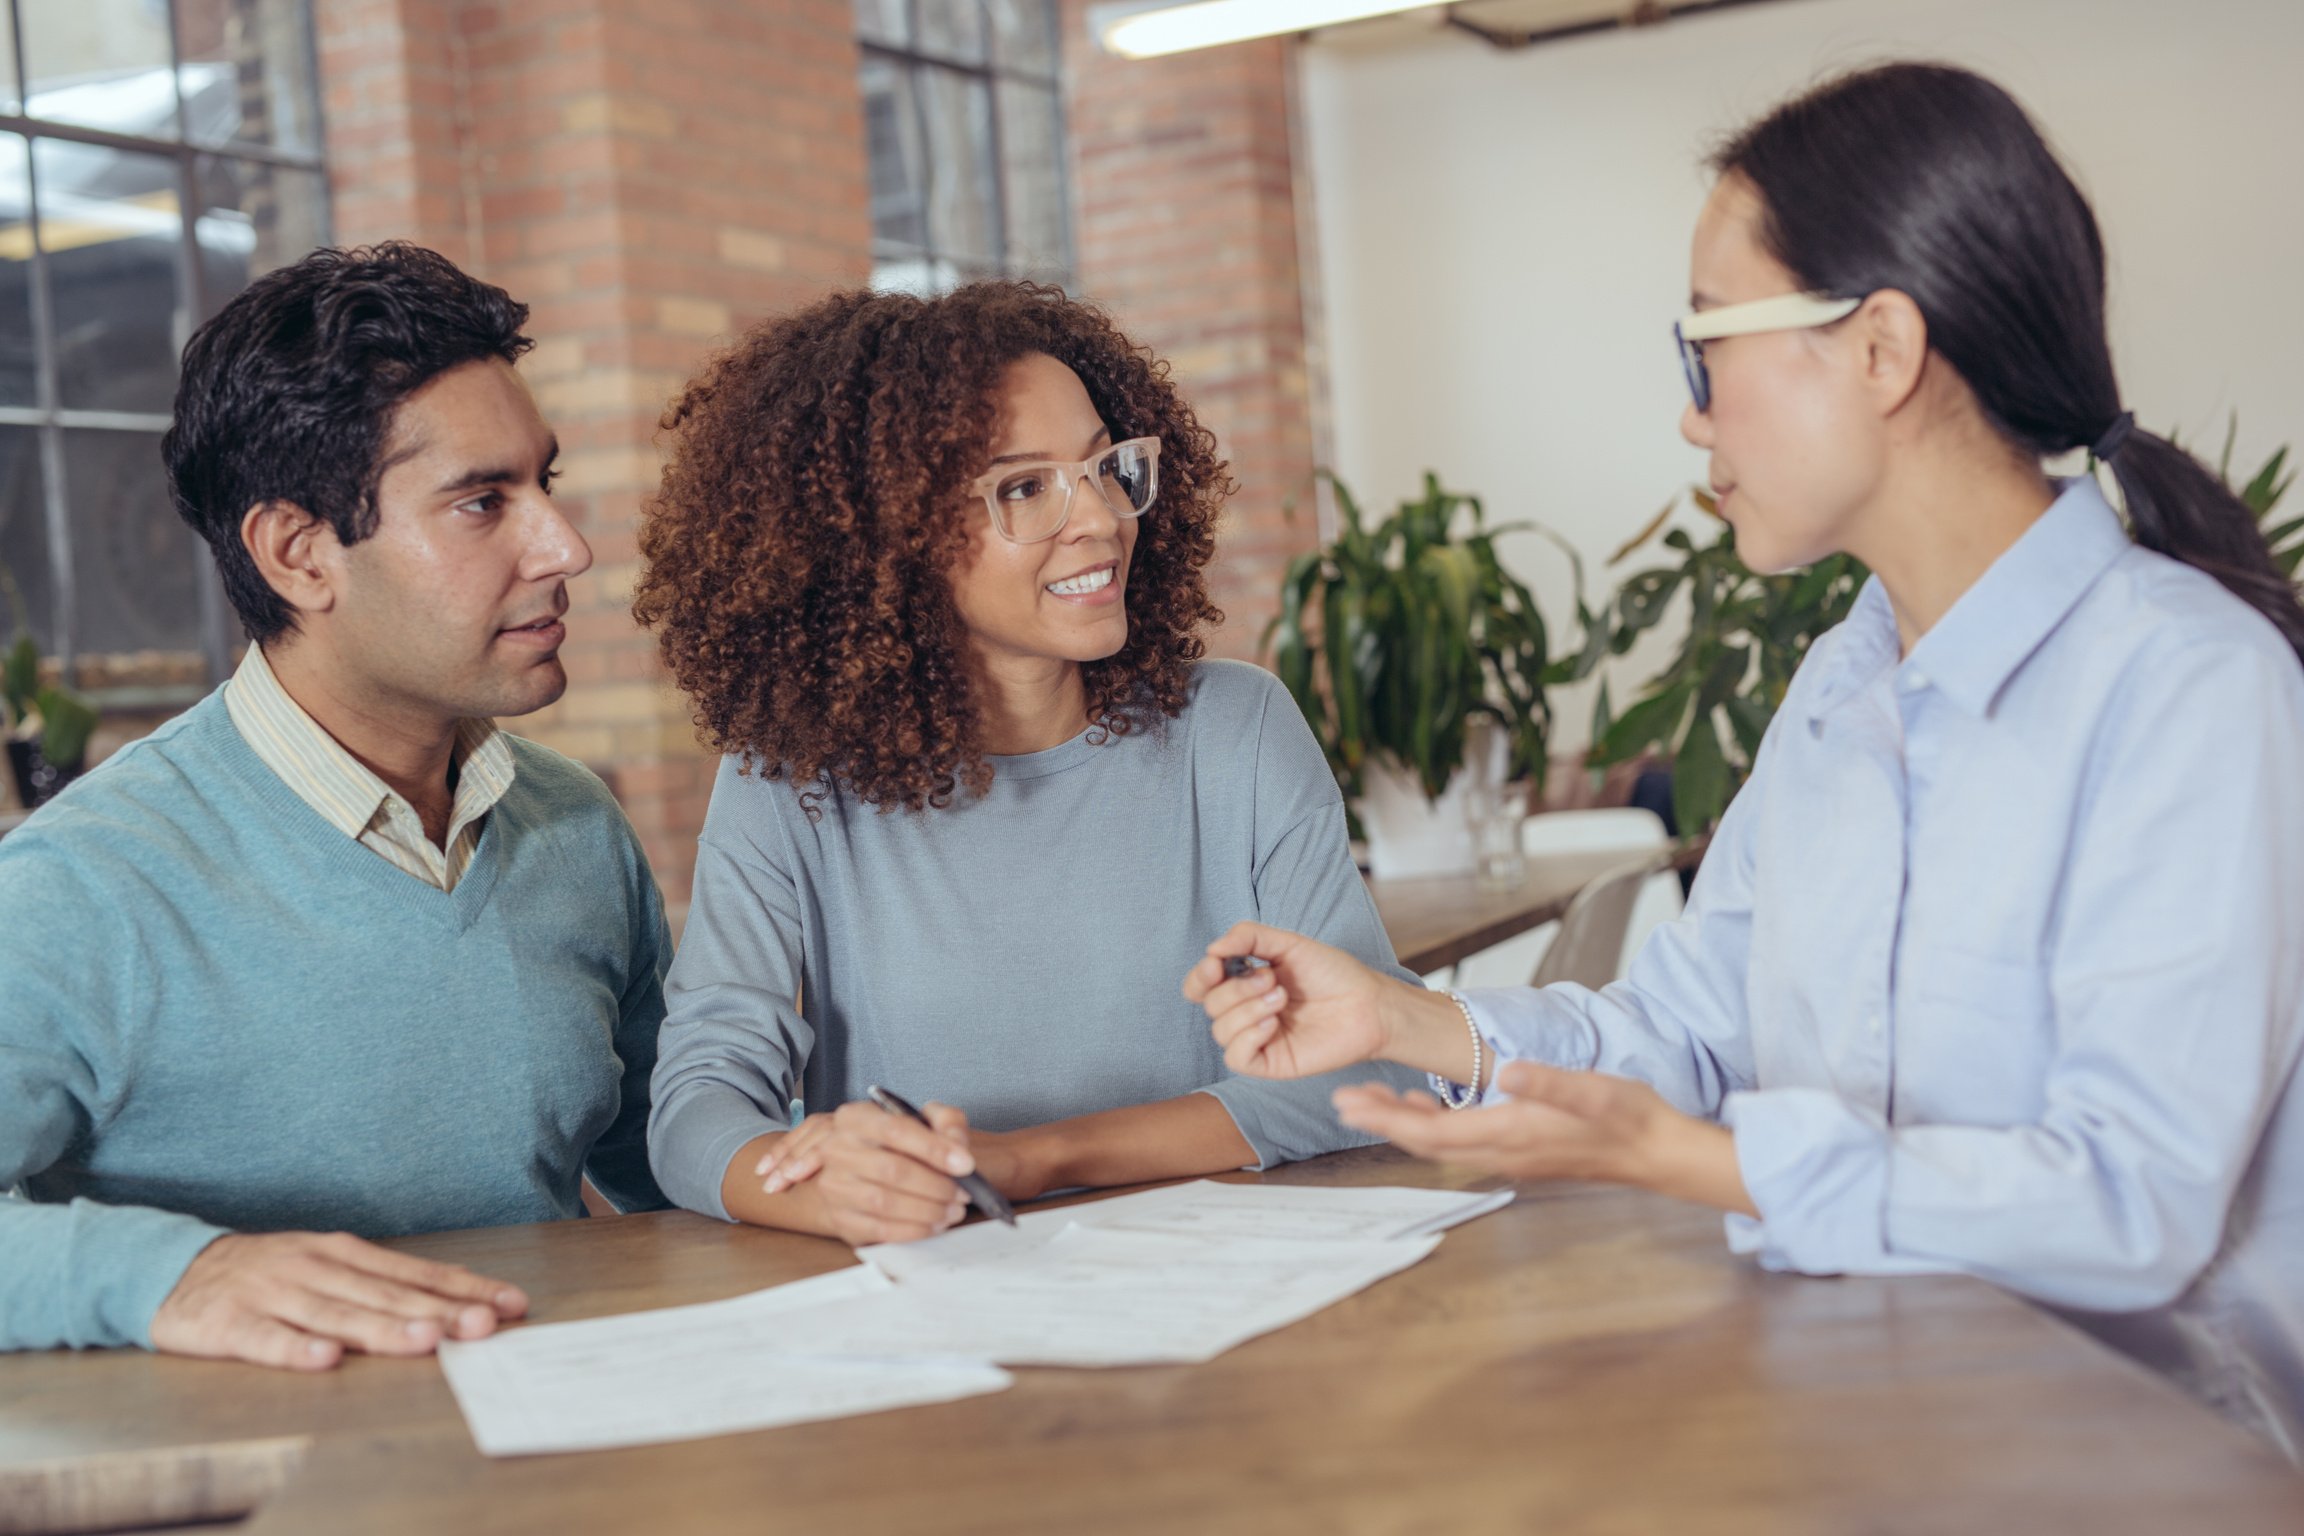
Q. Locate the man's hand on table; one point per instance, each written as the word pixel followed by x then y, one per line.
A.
pixel 299 1300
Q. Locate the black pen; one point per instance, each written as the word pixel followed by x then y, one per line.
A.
pixel 1236 966
pixel 979 1191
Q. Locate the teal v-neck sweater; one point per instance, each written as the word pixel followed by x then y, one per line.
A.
pixel 218 1012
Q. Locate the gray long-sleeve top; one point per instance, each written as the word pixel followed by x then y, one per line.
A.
pixel 1019 954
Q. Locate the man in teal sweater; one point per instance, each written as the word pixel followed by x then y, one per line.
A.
pixel 329 957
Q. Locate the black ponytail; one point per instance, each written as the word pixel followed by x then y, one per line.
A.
pixel 1932 181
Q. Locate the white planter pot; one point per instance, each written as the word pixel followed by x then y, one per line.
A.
pixel 1409 836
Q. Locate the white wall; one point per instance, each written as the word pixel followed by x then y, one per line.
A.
pixel 1503 237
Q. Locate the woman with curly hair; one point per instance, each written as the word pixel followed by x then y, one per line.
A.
pixel 931 573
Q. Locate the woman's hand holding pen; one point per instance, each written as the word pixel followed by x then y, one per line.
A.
pixel 880 1178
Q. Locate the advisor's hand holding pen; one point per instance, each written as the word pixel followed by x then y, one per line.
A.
pixel 1311 1008
pixel 1307 1008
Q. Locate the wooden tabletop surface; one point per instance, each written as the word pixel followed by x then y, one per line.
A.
pixel 1441 919
pixel 1585 1360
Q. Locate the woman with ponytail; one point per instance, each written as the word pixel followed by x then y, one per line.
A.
pixel 1996 964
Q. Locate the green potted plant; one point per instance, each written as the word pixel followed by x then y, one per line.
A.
pixel 47 726
pixel 1415 654
pixel 1708 708
pixel 2262 496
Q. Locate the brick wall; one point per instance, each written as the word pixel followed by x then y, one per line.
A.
pixel 651 176
pixel 1187 229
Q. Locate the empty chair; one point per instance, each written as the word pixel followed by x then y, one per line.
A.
pixel 1590 947
pixel 1635 832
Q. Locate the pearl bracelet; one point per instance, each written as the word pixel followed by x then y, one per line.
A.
pixel 1450 1094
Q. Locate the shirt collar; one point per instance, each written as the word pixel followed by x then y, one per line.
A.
pixel 1994 626
pixel 331 780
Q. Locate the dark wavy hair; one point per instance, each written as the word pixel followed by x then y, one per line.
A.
pixel 288 395
pixel 799 551
pixel 1932 181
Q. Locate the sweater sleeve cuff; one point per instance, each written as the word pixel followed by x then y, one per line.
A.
pixel 115 1266
pixel 1248 1124
pixel 691 1148
pixel 1286 1122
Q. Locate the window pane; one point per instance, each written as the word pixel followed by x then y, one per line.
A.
pixel 883 21
pixel 1023 34
pixel 1031 151
pixel 246 73
pixel 112 230
pixel 254 217
pixel 136 567
pixel 962 196
pixel 17 380
pixel 100 63
pixel 899 165
pixel 24 538
pixel 953 29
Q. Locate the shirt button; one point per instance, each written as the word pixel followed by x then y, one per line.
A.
pixel 1873 1024
pixel 1915 681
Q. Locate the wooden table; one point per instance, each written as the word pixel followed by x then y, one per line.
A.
pixel 1583 1361
pixel 1441 919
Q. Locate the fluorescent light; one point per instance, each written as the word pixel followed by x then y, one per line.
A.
pixel 1136 32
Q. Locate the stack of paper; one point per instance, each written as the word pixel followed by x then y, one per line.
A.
pixel 1171 1275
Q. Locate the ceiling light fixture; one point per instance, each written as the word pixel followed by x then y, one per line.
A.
pixel 1146 29
pixel 1146 32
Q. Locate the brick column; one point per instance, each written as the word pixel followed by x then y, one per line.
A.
pixel 1186 228
pixel 388 71
pixel 650 178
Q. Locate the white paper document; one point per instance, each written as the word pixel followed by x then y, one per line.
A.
pixel 1092 1296
pixel 1263 1212
pixel 1290 1213
pixel 681 1373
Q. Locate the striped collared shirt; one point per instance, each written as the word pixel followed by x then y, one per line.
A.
pixel 355 801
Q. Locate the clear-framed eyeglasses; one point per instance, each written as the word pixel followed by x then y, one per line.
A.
pixel 1032 502
pixel 1781 312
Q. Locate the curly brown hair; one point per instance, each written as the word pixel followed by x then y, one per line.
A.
pixel 798 551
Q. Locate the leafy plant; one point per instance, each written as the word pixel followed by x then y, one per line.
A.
pixel 1391 639
pixel 62 720
pixel 1747 633
pixel 2261 495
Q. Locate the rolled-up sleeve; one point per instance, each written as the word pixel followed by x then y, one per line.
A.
pixel 2178 994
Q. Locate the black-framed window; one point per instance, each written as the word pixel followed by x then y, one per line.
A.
pixel 155 156
pixel 964 114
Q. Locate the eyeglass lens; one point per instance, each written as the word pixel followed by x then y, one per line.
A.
pixel 1692 364
pixel 1034 499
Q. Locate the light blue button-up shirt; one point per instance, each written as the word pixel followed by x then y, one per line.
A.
pixel 1996 964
